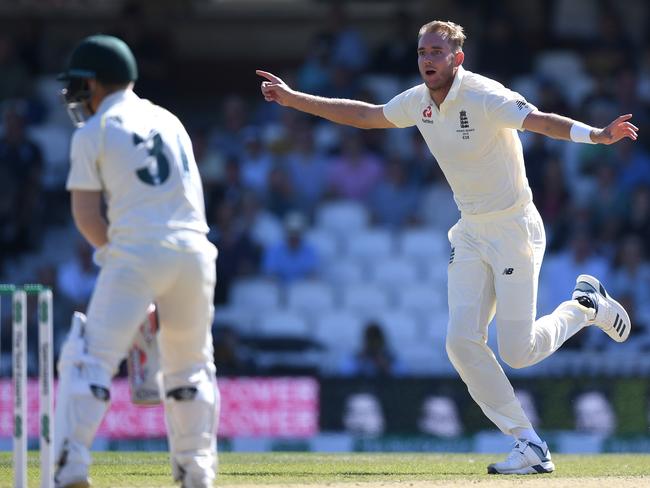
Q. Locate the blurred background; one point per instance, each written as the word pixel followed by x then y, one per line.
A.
pixel 331 301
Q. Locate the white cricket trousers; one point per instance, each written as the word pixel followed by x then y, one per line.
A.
pixel 494 268
pixel 179 275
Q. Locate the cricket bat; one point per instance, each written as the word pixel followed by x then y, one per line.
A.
pixel 143 362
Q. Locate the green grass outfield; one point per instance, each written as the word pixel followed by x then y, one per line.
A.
pixel 140 469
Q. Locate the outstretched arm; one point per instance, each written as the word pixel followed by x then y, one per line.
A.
pixel 347 112
pixel 559 127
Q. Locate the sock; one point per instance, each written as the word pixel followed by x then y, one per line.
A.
pixel 527 434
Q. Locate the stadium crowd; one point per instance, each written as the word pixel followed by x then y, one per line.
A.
pixel 272 176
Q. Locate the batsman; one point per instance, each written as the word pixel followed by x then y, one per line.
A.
pixel 136 196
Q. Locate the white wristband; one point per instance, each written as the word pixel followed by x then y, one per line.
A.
pixel 581 133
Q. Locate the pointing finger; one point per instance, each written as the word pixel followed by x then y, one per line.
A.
pixel 268 76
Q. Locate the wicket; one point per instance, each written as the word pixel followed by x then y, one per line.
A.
pixel 19 380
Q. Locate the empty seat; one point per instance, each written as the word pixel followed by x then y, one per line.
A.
pixel 394 273
pixel 325 242
pixel 343 272
pixel 255 293
pixel 282 323
pixel 423 244
pixel 342 217
pixel 364 298
pixel 421 298
pixel 370 245
pixel 310 297
pixel 340 331
pixel 435 271
pixel 240 319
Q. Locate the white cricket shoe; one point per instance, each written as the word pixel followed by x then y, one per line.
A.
pixel 72 468
pixel 605 312
pixel 72 476
pixel 525 458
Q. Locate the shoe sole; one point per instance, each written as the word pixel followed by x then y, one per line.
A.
pixel 78 484
pixel 620 331
pixel 547 467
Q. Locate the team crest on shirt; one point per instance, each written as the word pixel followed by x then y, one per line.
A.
pixel 465 129
pixel 426 115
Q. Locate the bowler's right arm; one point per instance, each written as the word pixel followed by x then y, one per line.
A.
pixel 342 111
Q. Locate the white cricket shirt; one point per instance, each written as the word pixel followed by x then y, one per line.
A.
pixel 140 156
pixel 473 137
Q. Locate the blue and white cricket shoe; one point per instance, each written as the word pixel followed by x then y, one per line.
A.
pixel 604 312
pixel 526 457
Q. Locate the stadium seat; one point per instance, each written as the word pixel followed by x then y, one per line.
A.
pixel 342 217
pixel 340 331
pixel 364 298
pixel 255 293
pixel 370 245
pixel 326 243
pixel 282 323
pixel 240 319
pixel 421 298
pixel 310 297
pixel 343 272
pixel 394 273
pixel 423 244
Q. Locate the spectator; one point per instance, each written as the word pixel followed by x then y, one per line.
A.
pixel 256 162
pixel 238 255
pixel 307 170
pixel 294 258
pixel 395 200
pixel 14 81
pixel 637 217
pixel 347 47
pixel 551 197
pixel 633 165
pixel 21 167
pixel 314 74
pixel 356 172
pixel 631 273
pixel 280 197
pixel 264 228
pixel 227 137
pixel 375 358
pixel 394 57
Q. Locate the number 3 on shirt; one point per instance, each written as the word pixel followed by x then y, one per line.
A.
pixel 156 173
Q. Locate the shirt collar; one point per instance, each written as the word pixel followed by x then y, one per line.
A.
pixel 114 98
pixel 453 91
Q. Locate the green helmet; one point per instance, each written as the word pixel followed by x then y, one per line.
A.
pixel 105 58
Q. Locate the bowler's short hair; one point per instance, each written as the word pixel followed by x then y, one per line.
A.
pixel 451 32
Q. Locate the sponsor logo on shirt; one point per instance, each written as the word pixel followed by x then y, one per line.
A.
pixel 464 125
pixel 521 104
pixel 426 115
